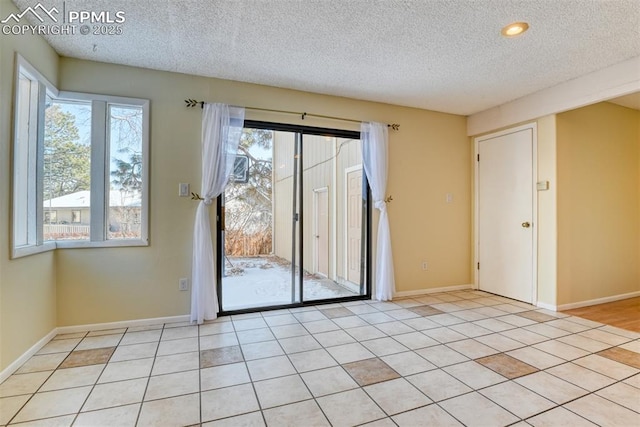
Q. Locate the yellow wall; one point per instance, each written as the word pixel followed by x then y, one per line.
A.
pixel 27 285
pixel 428 158
pixel 431 160
pixel 598 202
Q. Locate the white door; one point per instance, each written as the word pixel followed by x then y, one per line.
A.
pixel 505 215
pixel 322 231
pixel 354 224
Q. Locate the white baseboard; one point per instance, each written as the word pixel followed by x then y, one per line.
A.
pixel 121 324
pixel 403 294
pixel 547 306
pixel 16 364
pixel 596 301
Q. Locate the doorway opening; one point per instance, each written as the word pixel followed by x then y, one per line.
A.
pixel 293 223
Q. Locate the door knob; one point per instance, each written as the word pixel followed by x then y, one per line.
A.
pixel 526 225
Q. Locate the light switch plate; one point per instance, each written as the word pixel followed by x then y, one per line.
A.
pixel 183 189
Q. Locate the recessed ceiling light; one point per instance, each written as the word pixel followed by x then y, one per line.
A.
pixel 515 29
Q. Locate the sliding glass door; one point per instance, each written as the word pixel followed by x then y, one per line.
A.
pixel 293 223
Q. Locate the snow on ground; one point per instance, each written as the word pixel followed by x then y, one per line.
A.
pixel 264 281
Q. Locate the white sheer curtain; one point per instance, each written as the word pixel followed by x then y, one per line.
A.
pixel 375 149
pixel 221 129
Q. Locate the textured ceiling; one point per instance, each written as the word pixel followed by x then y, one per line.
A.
pixel 443 55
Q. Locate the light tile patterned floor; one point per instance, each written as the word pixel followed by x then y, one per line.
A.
pixel 455 358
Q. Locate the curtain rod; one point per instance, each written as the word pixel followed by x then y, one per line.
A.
pixel 192 103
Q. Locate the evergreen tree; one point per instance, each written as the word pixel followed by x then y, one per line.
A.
pixel 128 175
pixel 66 159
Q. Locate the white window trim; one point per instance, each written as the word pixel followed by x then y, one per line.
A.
pixel 34 243
pixel 98 157
pixel 22 251
pixel 99 131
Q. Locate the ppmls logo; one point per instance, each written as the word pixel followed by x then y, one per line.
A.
pixel 34 11
pixel 71 21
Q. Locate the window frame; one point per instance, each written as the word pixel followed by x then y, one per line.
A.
pixel 366 285
pixel 100 167
pixel 100 174
pixel 35 148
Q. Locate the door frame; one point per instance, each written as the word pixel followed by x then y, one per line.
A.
pixel 218 235
pixel 316 227
pixel 533 126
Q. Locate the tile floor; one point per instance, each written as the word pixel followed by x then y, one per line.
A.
pixel 448 359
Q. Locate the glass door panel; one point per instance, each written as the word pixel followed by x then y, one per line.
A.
pixel 332 228
pixel 258 236
pixel 293 221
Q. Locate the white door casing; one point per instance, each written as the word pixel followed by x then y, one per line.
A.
pixel 506 236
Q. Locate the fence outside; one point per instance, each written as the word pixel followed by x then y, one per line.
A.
pixel 67 231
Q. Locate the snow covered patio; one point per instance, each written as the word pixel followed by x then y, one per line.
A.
pixel 262 281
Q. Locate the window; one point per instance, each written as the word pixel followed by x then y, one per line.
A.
pixel 80 167
pixel 30 93
pixel 66 173
pixel 50 217
pixel 125 171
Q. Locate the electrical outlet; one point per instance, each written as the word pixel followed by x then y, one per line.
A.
pixel 183 284
pixel 424 265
